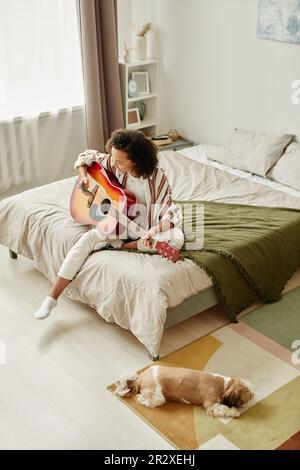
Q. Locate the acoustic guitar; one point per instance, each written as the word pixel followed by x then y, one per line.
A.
pixel 109 206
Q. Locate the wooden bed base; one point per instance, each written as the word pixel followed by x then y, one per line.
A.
pixel 187 309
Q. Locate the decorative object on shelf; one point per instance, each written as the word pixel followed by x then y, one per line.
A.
pixel 127 53
pixel 133 90
pixel 140 46
pixel 145 28
pixel 133 117
pixel 173 134
pixel 141 107
pixel 142 79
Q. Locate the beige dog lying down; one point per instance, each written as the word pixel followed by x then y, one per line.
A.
pixel 221 396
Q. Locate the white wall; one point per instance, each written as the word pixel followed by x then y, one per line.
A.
pixel 215 73
pixel 124 24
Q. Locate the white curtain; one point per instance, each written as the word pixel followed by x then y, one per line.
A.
pixel 41 87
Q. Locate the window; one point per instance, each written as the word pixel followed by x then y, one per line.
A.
pixel 40 58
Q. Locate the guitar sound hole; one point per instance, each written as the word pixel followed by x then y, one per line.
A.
pixel 105 206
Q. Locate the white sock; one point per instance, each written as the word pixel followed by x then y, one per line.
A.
pixel 45 309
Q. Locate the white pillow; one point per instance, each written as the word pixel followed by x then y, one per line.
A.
pixel 252 151
pixel 287 169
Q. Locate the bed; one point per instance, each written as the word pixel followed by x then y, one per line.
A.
pixel 139 292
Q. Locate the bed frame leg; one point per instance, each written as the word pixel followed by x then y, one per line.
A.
pixel 153 358
pixel 12 254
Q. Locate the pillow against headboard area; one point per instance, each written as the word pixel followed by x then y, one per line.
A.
pixel 251 151
pixel 287 169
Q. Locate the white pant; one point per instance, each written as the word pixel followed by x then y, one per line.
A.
pixel 89 241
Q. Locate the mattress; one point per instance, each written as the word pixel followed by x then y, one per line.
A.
pixel 132 290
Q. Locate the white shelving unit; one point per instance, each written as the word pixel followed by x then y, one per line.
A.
pixel 150 121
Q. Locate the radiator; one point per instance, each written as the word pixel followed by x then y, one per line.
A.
pixel 40 149
pixel 16 165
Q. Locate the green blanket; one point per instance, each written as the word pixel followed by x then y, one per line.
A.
pixel 249 252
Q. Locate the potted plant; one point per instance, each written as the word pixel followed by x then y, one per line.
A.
pixel 140 42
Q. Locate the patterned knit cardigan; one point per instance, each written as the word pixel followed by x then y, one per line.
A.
pixel 159 203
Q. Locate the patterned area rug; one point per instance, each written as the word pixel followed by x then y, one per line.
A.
pixel 263 347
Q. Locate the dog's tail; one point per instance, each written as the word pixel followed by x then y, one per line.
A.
pixel 126 385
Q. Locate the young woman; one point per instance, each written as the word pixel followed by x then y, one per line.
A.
pixel 132 157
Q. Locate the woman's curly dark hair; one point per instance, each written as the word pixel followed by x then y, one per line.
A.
pixel 139 149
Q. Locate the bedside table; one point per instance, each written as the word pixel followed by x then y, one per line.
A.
pixel 176 145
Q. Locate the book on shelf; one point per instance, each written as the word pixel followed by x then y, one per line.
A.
pixel 162 142
pixel 160 137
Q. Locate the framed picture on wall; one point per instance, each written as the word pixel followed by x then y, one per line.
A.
pixel 142 79
pixel 279 20
pixel 133 117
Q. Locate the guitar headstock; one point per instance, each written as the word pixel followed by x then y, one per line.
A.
pixel 168 251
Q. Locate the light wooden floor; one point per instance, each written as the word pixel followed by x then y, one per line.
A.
pixel 53 385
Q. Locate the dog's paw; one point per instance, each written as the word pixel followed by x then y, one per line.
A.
pixel 217 410
pixel 210 411
pixel 122 392
pixel 153 402
pixel 222 411
pixel 142 401
pixel 234 412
